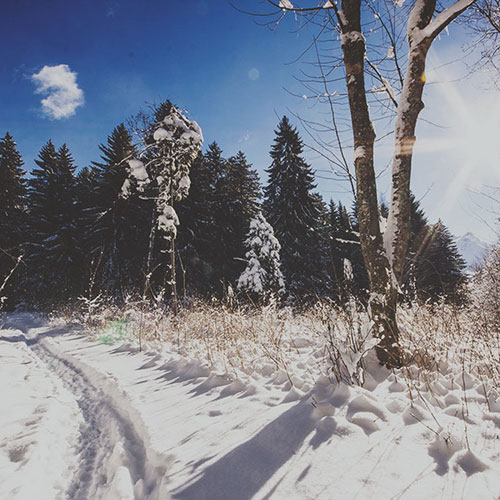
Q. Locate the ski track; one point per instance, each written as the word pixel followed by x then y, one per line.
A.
pixel 113 459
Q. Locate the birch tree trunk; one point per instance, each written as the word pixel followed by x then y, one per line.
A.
pixel 385 255
pixel 383 291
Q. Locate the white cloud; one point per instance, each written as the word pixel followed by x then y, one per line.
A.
pixel 63 93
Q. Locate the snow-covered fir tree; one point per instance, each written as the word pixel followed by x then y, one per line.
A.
pixel 175 144
pixel 240 192
pixel 116 226
pixel 12 213
pixel 262 278
pixel 295 213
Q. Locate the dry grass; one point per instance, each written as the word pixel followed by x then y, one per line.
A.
pixel 437 339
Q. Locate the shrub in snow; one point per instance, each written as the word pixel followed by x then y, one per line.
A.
pixel 262 277
pixel 486 288
pixel 350 340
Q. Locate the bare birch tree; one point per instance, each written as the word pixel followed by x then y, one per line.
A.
pixel 484 20
pixel 383 253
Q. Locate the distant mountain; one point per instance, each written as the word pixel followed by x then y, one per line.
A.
pixel 471 248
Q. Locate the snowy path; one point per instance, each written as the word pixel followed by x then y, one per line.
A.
pixel 111 457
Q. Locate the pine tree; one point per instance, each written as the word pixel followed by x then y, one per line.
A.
pixel 220 247
pixel 294 211
pixel 440 272
pixel 433 268
pixel 335 253
pixel 12 215
pixel 241 192
pixel 117 225
pixel 349 249
pixel 197 239
pixel 262 279
pixel 55 258
pixel 215 217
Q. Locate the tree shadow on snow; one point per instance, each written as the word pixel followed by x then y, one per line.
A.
pixel 241 473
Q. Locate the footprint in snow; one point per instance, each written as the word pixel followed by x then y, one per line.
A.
pixel 17 453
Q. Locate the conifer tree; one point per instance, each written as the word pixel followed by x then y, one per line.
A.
pixel 197 239
pixel 55 258
pixel 433 267
pixel 220 247
pixel 351 251
pixel 241 192
pixel 85 181
pixel 262 279
pixel 294 212
pixel 335 253
pixel 445 274
pixel 12 215
pixel 117 225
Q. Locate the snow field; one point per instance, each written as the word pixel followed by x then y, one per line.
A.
pixel 247 407
pixel 240 407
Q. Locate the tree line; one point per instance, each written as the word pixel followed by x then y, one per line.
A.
pixel 69 232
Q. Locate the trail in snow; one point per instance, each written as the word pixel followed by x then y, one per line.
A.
pixel 113 457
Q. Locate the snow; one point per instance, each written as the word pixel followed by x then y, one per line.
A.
pixel 39 423
pixel 137 170
pixel 177 143
pixel 390 90
pixel 173 424
pixel 262 275
pixel 161 134
pixel 185 183
pixel 352 37
pixel 286 4
pixel 137 173
pixel 360 151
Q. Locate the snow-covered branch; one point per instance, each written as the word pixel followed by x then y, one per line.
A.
pixel 435 26
pixel 442 20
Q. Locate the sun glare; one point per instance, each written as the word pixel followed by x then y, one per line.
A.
pixel 471 137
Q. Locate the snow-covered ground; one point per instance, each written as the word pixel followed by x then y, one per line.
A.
pixel 83 418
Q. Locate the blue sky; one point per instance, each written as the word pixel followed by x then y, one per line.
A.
pixel 230 74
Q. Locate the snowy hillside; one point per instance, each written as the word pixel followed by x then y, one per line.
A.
pixel 92 417
pixel 471 248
